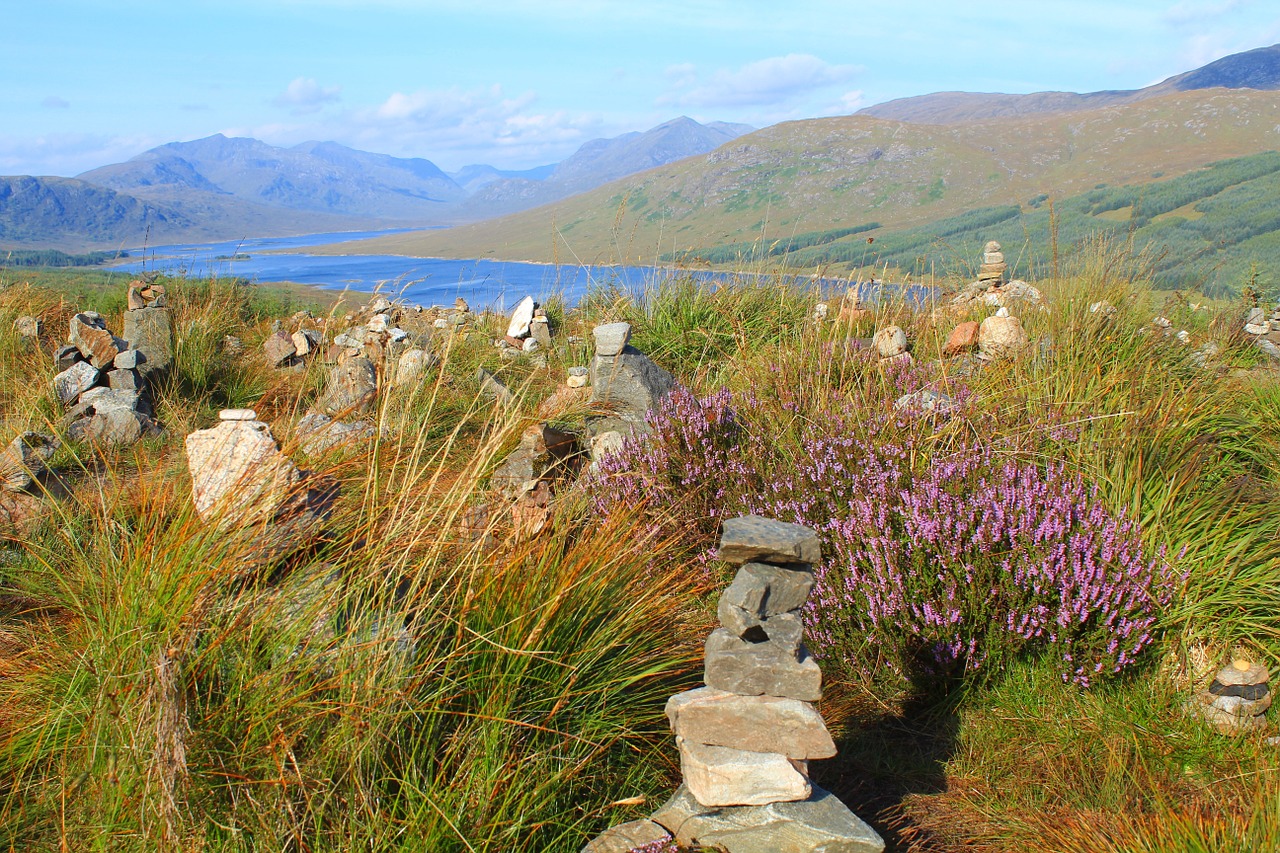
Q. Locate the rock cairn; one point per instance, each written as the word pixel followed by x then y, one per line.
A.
pixel 1265 331
pixel 624 382
pixel 149 329
pixel 1237 699
pixel 746 739
pixel 991 271
pixel 990 288
pixel 101 385
pixel 528 331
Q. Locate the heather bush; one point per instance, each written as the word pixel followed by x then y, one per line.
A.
pixel 940 560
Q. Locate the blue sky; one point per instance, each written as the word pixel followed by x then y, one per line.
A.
pixel 518 83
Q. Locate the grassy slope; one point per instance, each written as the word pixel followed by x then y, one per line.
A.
pixel 530 716
pixel 826 173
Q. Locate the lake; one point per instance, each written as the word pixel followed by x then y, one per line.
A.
pixel 425 281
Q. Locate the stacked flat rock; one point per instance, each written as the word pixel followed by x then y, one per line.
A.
pixel 1237 699
pixel 101 384
pixel 148 329
pixel 992 269
pixel 746 739
pixel 1257 323
pixel 624 381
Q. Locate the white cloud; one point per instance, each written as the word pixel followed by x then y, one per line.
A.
pixel 304 95
pixel 777 82
pixel 68 153
pixel 1190 12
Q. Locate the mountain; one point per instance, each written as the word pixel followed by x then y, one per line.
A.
pixel 472 178
pixel 1252 69
pixel 849 171
pixel 602 160
pixel 318 177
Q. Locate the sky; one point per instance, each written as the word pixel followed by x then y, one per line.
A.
pixel 521 83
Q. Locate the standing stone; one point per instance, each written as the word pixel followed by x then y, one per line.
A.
pixel 351 389
pixel 521 317
pixel 540 329
pixel 238 474
pixel 150 331
pixel 626 381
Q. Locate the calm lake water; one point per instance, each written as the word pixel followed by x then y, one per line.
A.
pixel 425 281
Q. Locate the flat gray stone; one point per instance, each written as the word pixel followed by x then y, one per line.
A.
pixel 755 669
pixel 111 416
pixel 129 359
pixel 1243 672
pixel 722 776
pixel 766 590
pixel 88 331
pixel 150 331
pixel 125 380
pixel 819 824
pixel 626 837
pixel 759 723
pixel 318 434
pixel 611 338
pixel 74 381
pixel 67 355
pixel 753 537
pixel 630 384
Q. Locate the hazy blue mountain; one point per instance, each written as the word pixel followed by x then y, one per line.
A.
pixel 65 212
pixel 1252 69
pixel 603 160
pixel 472 178
pixel 320 177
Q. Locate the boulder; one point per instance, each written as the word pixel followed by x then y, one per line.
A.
pixel 721 776
pixel 818 824
pixel 279 349
pixel 25 459
pixel 890 341
pixel 90 336
pixel 630 384
pixel 352 387
pixel 412 365
pixel 74 381
pixel 963 338
pixel 110 416
pixel 1001 337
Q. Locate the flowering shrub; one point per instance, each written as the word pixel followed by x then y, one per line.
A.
pixel 941 562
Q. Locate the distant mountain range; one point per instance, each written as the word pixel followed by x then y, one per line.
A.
pixel 1253 69
pixel 227 188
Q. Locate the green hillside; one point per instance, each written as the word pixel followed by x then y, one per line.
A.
pixel 835 173
pixel 1212 228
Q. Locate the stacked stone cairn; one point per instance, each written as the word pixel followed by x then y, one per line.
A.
pixel 1264 330
pixel 1237 699
pixel 102 386
pixel 625 385
pixel 149 329
pixel 529 331
pixel 990 288
pixel 746 739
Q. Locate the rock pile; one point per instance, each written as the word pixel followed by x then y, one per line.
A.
pixel 102 386
pixel 1237 699
pixel 149 329
pixel 528 331
pixel 990 288
pixel 626 383
pixel 745 739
